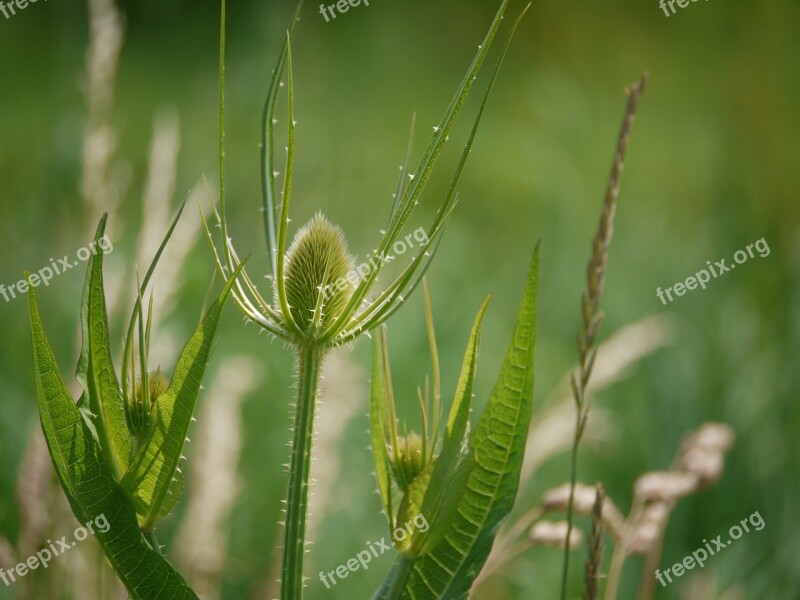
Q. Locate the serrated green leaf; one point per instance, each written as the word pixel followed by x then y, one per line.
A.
pixel 102 402
pixel 174 493
pixel 89 483
pixel 437 491
pixel 448 571
pixel 153 468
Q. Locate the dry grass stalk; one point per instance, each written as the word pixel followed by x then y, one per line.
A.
pixel 699 464
pixel 106 36
pixel 553 430
pixel 584 504
pixel 7 555
pixel 35 491
pixel 594 560
pixel 341 385
pixel 554 535
pixel 591 316
pixel 157 214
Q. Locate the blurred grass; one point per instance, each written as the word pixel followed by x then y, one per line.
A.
pixel 712 167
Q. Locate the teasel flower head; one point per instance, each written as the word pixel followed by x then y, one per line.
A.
pixel 407 453
pixel 318 261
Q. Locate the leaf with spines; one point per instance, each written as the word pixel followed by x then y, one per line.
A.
pixel 89 484
pixel 447 573
pixel 135 313
pixel 153 468
pixel 174 493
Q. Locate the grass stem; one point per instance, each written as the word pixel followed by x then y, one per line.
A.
pixel 591 315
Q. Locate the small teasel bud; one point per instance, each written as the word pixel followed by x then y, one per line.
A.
pixel 157 384
pixel 408 460
pixel 319 274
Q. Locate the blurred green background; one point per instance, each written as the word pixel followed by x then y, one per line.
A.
pixel 712 167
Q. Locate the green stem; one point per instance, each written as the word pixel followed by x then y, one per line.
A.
pixel 310 361
pixel 395 582
pixel 570 508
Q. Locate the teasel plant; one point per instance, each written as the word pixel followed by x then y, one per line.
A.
pixel 117 451
pixel 459 486
pixel 318 299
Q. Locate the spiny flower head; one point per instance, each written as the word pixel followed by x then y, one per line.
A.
pixel 319 275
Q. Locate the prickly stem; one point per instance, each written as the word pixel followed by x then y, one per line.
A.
pixel 308 376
